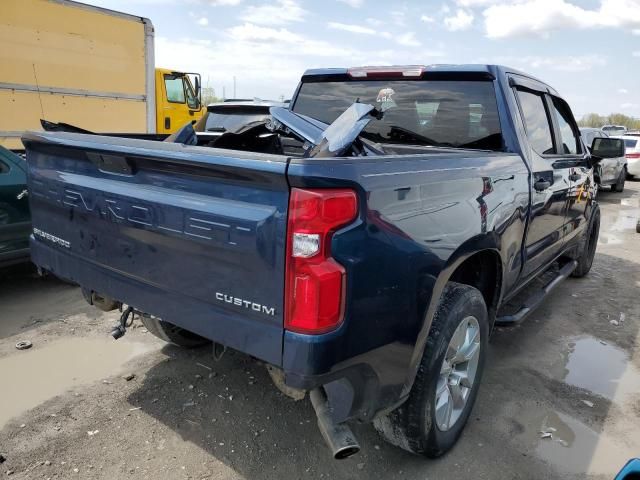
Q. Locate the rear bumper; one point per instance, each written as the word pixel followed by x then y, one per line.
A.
pixel 357 388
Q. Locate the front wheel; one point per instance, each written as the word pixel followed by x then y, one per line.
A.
pixel 445 389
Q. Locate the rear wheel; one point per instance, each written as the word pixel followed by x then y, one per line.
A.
pixel 619 185
pixel 445 389
pixel 172 333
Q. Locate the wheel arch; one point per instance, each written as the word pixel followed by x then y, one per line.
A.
pixel 461 267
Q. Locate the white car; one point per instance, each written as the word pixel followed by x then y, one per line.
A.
pixel 609 171
pixel 632 153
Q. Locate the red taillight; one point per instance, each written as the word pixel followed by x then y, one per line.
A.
pixel 633 155
pixel 315 282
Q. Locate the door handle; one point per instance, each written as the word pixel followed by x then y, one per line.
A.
pixel 574 177
pixel 22 194
pixel 541 185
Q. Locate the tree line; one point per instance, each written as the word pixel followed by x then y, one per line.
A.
pixel 596 121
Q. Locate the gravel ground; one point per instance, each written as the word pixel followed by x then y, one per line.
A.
pixel 67 410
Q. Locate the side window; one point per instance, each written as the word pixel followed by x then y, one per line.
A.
pixel 536 121
pixel 4 168
pixel 175 89
pixel 570 144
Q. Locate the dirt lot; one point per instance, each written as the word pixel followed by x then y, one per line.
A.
pixel 66 410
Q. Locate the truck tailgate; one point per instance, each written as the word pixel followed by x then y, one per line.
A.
pixel 188 234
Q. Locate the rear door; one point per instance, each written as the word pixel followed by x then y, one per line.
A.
pixel 550 182
pixel 192 235
pixel 14 207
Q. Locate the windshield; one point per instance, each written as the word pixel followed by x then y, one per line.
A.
pixel 439 113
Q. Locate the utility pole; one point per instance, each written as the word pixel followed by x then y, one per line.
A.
pixel 224 93
pixel 234 87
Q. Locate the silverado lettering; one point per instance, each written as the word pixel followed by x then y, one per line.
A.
pixel 121 210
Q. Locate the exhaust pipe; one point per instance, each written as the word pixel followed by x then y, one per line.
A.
pixel 338 436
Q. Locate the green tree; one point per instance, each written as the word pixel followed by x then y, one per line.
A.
pixel 596 121
pixel 592 120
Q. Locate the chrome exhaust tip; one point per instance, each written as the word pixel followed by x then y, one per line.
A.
pixel 338 436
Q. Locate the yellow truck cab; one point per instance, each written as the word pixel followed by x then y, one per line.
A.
pixel 94 68
pixel 177 99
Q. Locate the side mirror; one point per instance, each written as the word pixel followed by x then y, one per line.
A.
pixel 607 147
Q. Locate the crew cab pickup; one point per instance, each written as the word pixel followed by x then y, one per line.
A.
pixel 362 241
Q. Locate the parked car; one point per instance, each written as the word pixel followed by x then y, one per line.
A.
pixel 632 154
pixel 15 221
pixel 369 268
pixel 609 171
pixel 613 130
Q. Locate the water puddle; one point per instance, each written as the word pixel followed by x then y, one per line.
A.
pixel 600 368
pixel 575 448
pixel 30 377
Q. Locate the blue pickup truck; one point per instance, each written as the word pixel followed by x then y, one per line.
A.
pixel 362 242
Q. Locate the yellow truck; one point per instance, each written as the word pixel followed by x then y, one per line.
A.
pixel 91 67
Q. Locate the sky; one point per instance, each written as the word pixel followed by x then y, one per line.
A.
pixel 588 50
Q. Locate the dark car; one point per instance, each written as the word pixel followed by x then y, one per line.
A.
pixel 368 265
pixel 15 220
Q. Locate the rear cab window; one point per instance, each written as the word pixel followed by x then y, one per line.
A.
pixel 629 143
pixel 448 113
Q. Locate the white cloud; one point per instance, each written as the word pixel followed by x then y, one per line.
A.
pixel 351 28
pixel 479 3
pixel 203 22
pixel 623 91
pixel 533 63
pixel 636 53
pixel 408 40
pixel 353 3
pixel 542 16
pixel 636 31
pixel 462 20
pixel 224 3
pixel 629 106
pixel 427 19
pixel 280 12
pixel 374 22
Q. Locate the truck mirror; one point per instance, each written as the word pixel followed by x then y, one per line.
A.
pixel 607 147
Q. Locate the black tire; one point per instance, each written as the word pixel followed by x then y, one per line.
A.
pixel 172 334
pixel 619 185
pixel 413 425
pixel 588 245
